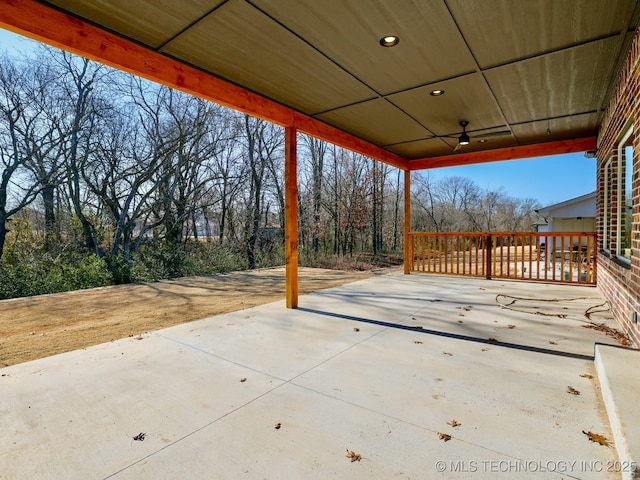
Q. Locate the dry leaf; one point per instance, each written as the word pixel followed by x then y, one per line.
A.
pixel 486 349
pixel 243 379
pixel 511 327
pixel 447 353
pixel 356 329
pixel 140 437
pixel 355 457
pixel 597 438
pixel 491 339
pixel 621 337
pixel 572 390
pixel 444 436
pixel 552 342
pixel 586 375
pixel 417 341
pixel 460 321
pixel 277 426
pixel 454 423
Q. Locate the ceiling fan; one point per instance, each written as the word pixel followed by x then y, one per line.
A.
pixel 464 138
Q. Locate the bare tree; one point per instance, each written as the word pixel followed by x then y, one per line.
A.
pixel 29 144
pixel 317 150
pixel 78 85
pixel 263 142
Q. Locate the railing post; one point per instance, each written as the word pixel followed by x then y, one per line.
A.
pixel 408 249
pixel 488 248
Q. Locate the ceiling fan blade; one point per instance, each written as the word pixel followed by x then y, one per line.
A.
pixel 493 134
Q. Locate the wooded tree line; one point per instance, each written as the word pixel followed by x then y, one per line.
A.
pixel 101 162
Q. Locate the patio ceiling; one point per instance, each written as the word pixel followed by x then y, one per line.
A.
pixel 522 73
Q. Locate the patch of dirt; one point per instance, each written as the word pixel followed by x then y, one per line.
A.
pixel 37 327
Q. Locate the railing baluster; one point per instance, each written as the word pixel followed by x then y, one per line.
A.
pixel 571 256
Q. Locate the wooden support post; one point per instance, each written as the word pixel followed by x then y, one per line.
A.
pixel 291 216
pixel 488 245
pixel 408 247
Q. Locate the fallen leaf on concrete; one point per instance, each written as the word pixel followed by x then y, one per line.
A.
pixel 486 349
pixel 562 315
pixel 417 341
pixel 355 457
pixel 467 308
pixel 140 437
pixel 243 379
pixel 552 342
pixel 621 337
pixel 277 426
pixel 447 353
pixel 460 321
pixel 597 438
pixel 572 390
pixel 356 329
pixel 511 327
pixel 454 423
pixel 482 288
pixel 491 339
pixel 444 436
pixel 586 375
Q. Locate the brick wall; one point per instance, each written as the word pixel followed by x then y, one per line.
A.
pixel 620 282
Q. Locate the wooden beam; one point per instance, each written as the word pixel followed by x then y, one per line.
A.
pixel 291 216
pixel 408 247
pixel 511 153
pixel 45 24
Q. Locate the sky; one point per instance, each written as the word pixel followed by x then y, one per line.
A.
pixel 12 42
pixel 549 180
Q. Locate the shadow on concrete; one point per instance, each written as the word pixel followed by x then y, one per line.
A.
pixel 456 336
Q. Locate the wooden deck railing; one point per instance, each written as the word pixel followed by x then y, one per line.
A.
pixel 566 257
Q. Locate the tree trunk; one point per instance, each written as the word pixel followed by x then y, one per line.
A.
pixel 3 230
pixel 48 192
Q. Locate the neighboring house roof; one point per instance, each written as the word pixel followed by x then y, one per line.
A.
pixel 584 205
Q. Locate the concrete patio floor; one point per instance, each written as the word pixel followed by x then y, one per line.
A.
pixel 379 367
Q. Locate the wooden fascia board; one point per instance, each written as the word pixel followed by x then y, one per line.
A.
pixel 511 153
pixel 48 25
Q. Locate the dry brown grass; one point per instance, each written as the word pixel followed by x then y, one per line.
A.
pixel 45 325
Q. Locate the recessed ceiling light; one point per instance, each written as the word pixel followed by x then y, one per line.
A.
pixel 389 41
pixel 436 93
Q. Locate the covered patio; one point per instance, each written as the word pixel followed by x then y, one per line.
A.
pixel 381 367
pixel 416 85
pixel 387 368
